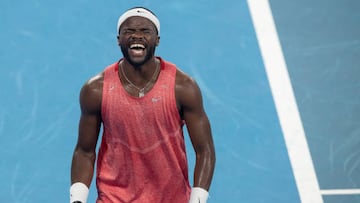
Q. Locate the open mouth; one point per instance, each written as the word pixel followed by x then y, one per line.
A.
pixel 137 49
pixel 137 46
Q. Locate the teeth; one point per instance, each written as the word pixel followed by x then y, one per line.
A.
pixel 137 46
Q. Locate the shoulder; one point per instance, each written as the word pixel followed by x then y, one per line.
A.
pixel 95 82
pixel 183 81
pixel 187 90
pixel 91 93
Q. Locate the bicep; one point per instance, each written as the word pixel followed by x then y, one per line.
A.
pixel 195 117
pixel 90 119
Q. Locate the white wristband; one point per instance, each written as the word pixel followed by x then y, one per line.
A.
pixel 198 195
pixel 79 192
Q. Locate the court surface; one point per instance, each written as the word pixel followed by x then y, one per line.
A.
pixel 280 82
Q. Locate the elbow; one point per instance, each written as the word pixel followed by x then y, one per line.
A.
pixel 85 154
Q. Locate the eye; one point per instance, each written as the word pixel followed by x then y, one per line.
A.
pixel 128 31
pixel 147 31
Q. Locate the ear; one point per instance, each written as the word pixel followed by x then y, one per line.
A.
pixel 158 41
pixel 118 39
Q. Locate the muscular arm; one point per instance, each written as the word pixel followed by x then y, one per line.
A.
pixel 190 102
pixel 82 168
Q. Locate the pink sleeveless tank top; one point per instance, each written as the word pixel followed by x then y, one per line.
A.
pixel 142 156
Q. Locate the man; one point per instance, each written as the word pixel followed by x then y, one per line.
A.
pixel 142 101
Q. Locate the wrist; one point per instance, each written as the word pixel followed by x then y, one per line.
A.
pixel 198 195
pixel 78 193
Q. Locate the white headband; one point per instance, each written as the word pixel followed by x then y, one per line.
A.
pixel 139 12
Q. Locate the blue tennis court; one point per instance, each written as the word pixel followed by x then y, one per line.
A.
pixel 280 82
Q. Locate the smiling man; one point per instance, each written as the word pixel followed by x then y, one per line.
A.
pixel 143 102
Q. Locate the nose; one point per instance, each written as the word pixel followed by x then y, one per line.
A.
pixel 137 35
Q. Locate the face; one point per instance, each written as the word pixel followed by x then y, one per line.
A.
pixel 138 39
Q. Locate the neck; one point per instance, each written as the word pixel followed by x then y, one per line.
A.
pixel 140 74
pixel 139 80
pixel 141 68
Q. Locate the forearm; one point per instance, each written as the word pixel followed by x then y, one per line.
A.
pixel 204 168
pixel 82 167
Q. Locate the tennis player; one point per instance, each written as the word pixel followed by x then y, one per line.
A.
pixel 142 102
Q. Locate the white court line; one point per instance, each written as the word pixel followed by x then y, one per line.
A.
pixel 341 192
pixel 294 135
